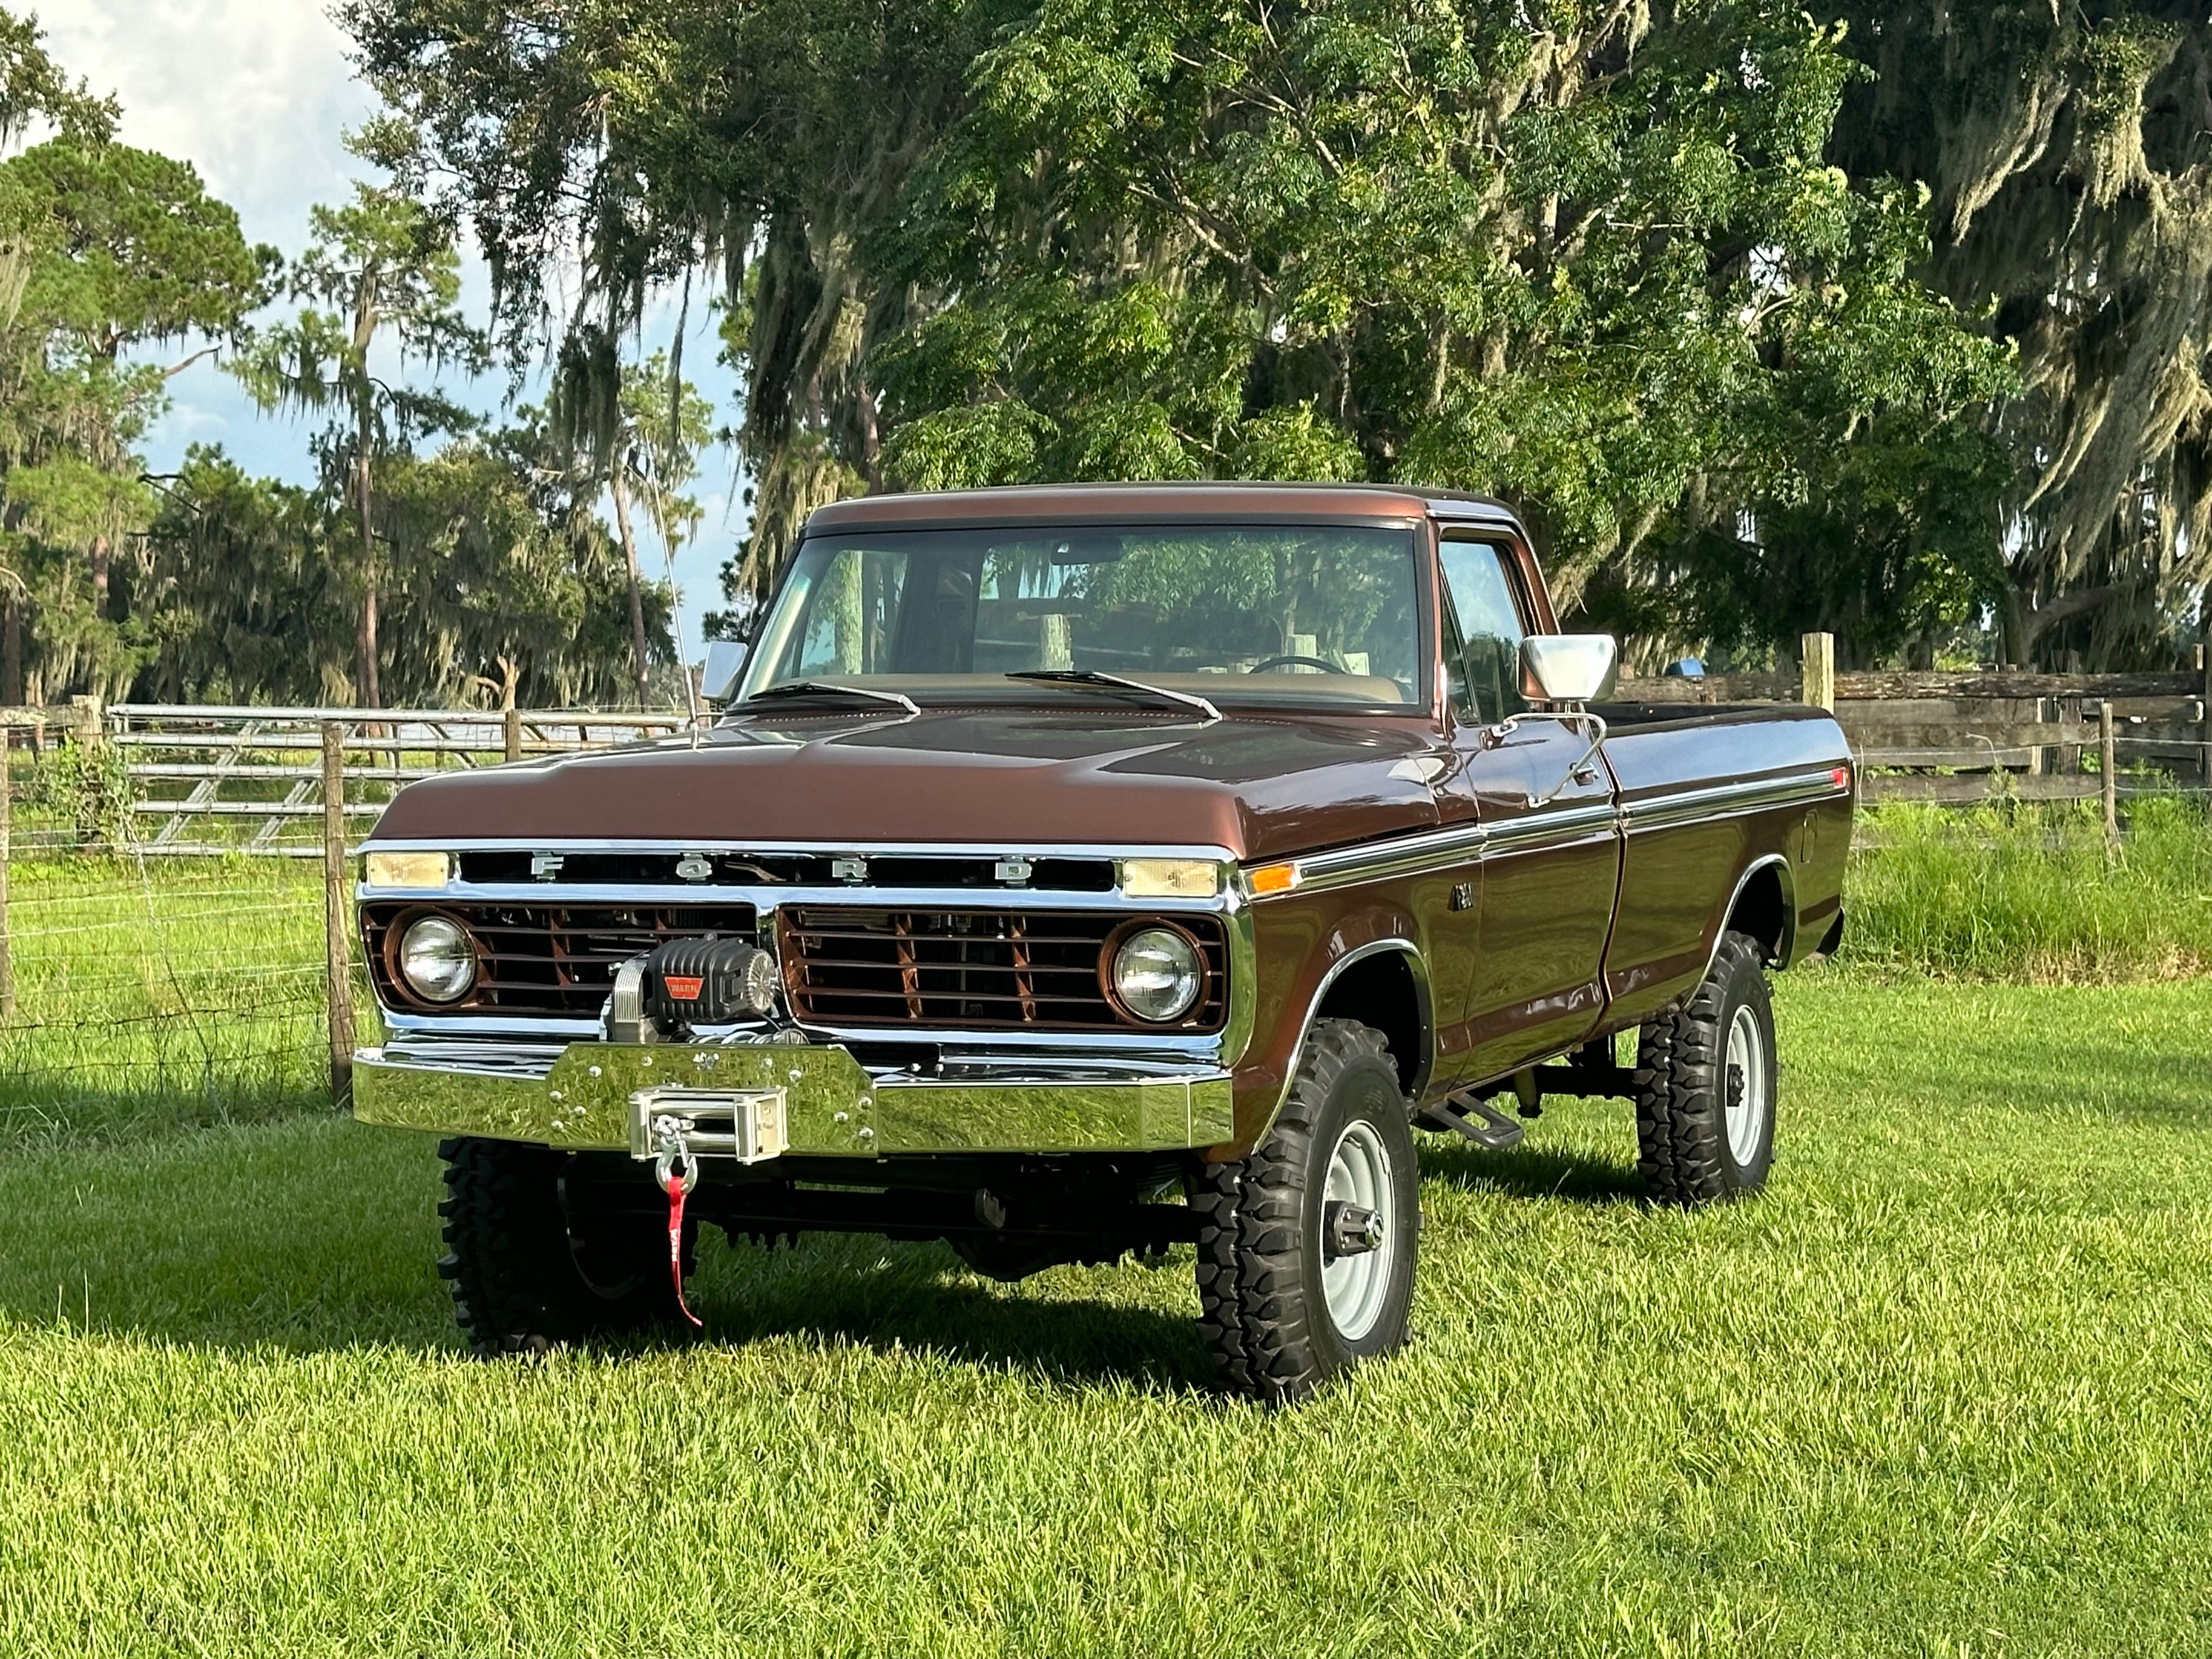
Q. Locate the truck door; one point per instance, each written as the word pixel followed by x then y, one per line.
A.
pixel 1550 873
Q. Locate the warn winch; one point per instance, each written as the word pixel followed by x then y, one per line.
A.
pixel 706 982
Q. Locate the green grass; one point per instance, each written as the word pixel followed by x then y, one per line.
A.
pixel 1941 1390
pixel 2031 892
pixel 173 994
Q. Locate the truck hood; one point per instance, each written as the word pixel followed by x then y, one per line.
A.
pixel 1262 788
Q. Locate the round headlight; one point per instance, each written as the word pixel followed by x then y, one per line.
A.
pixel 436 960
pixel 1157 973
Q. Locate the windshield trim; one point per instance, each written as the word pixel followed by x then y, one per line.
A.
pixel 1422 546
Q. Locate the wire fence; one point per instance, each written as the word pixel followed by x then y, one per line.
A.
pixel 175 891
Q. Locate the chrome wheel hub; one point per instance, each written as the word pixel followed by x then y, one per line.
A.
pixel 1358 1231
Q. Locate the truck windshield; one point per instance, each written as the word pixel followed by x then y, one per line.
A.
pixel 1259 613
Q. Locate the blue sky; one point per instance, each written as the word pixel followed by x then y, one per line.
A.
pixel 257 95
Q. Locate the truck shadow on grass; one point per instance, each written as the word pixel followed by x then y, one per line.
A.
pixel 1531 1171
pixel 1072 1328
pixel 312 1236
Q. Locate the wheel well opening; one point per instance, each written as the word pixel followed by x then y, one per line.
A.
pixel 1762 911
pixel 1380 991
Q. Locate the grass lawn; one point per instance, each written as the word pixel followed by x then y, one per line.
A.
pixel 1942 1390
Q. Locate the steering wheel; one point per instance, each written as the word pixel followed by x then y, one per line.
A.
pixel 1326 667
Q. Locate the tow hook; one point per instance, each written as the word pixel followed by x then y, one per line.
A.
pixel 1350 1230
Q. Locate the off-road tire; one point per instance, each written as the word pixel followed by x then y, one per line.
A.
pixel 1682 1080
pixel 1259 1248
pixel 546 1247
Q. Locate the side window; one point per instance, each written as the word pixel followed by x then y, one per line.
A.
pixel 1490 626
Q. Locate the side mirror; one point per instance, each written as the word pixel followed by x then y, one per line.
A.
pixel 726 660
pixel 1569 668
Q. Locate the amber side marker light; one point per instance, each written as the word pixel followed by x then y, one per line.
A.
pixel 415 870
pixel 1272 879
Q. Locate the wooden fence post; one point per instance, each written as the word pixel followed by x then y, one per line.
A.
pixel 2204 667
pixel 511 721
pixel 7 785
pixel 1816 668
pixel 338 917
pixel 91 720
pixel 2109 771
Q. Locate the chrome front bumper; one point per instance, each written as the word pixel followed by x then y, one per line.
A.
pixel 579 1096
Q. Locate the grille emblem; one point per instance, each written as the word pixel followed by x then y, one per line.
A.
pixel 543 866
pixel 693 867
pixel 848 869
pixel 1013 871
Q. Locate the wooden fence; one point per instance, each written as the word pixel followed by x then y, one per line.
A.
pixel 1965 737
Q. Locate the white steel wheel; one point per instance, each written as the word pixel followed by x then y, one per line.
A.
pixel 1359 1195
pixel 1750 1086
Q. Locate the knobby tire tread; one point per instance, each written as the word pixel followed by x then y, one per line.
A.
pixel 1679 1082
pixel 1250 1296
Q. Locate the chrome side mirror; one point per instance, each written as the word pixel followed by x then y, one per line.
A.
pixel 726 660
pixel 1569 668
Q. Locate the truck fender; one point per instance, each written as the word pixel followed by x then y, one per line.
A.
pixel 1765 896
pixel 1355 941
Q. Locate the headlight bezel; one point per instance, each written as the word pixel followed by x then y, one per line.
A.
pixel 403 932
pixel 1126 938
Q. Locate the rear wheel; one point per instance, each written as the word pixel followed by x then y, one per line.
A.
pixel 1307 1248
pixel 546 1247
pixel 1704 1084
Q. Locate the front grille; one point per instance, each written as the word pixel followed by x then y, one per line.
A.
pixel 966 969
pixel 542 958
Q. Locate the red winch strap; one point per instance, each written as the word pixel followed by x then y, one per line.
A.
pixel 677 1184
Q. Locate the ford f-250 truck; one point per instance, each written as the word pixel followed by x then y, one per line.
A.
pixel 1081 871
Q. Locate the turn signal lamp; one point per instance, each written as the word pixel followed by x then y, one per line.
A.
pixel 1272 879
pixel 416 870
pixel 1170 878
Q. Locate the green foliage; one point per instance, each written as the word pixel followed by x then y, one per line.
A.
pixel 2027 891
pixel 104 249
pixel 1593 258
pixel 1604 275
pixel 496 574
pixel 2063 150
pixel 86 787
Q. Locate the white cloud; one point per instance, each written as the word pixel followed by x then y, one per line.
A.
pixel 256 94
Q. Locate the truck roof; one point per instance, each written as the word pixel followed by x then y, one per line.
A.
pixel 1199 501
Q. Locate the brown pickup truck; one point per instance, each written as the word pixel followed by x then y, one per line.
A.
pixel 1080 871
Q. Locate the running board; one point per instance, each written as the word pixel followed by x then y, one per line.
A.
pixel 1496 1132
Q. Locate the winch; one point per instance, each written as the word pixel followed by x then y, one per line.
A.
pixel 685 983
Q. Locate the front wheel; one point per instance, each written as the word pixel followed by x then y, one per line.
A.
pixel 1704 1084
pixel 1307 1248
pixel 546 1247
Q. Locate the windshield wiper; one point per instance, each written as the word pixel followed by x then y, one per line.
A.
pixel 796 688
pixel 1094 676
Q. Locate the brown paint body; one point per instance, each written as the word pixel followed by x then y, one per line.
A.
pixel 1569 936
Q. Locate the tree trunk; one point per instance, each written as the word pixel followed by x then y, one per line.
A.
pixel 12 653
pixel 364 638
pixel 100 564
pixel 620 486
